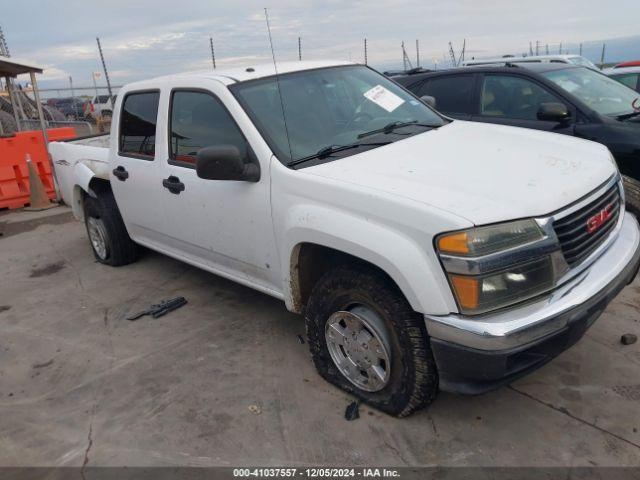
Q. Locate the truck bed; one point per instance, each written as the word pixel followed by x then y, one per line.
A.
pixel 76 159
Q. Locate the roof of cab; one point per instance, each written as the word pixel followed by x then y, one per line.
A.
pixel 229 76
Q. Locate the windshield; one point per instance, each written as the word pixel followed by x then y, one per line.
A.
pixel 604 95
pixel 582 62
pixel 330 107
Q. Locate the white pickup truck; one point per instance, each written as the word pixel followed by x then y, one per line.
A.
pixel 425 253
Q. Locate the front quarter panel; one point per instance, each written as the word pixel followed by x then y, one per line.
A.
pixel 391 232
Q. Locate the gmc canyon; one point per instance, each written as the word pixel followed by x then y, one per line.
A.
pixel 424 253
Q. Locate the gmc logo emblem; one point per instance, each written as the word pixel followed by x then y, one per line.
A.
pixel 599 219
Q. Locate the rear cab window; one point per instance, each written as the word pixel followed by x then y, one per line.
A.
pixel 138 122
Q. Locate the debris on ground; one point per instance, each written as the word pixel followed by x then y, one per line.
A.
pixel 300 339
pixel 255 409
pixel 628 339
pixel 160 309
pixel 42 365
pixel 352 412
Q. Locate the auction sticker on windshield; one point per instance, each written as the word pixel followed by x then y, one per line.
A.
pixel 384 98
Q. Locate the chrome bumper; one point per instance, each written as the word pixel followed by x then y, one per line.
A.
pixel 523 325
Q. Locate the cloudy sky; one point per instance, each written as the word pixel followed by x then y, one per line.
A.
pixel 143 38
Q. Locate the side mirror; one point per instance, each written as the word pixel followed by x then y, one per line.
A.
pixel 429 100
pixel 224 162
pixel 553 112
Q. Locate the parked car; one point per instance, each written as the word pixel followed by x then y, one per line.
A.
pixel 578 60
pixel 100 105
pixel 424 253
pixel 554 97
pixel 632 63
pixel 629 76
pixel 71 108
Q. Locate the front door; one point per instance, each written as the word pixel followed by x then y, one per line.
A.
pixel 225 224
pixel 514 100
pixel 135 170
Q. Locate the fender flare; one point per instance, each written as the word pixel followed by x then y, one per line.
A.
pixel 409 265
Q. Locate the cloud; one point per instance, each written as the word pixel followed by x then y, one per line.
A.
pixel 147 38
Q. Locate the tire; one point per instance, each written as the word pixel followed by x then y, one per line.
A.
pixel 108 236
pixel 412 378
pixel 632 195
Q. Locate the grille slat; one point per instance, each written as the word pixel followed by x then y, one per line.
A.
pixel 575 240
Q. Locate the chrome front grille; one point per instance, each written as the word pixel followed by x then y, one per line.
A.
pixel 576 233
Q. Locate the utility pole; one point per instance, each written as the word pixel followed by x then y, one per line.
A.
pixel 547 49
pixel 530 49
pixel 104 67
pixel 452 54
pixel 537 47
pixel 299 49
pixel 213 53
pixel 404 58
pixel 95 85
pixel 365 51
pixel 580 49
pixel 73 97
pixel 417 53
pixel 560 49
pixel 464 48
pixel 604 46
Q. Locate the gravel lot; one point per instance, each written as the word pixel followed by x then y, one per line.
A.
pixel 226 381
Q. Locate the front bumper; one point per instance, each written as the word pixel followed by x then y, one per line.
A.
pixel 477 354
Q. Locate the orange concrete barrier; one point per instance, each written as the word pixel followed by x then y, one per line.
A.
pixel 14 174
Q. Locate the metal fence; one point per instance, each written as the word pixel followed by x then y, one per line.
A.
pixel 81 128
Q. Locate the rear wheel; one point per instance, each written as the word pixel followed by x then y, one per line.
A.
pixel 632 195
pixel 365 338
pixel 108 236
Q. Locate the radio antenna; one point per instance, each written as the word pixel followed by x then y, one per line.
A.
pixel 275 67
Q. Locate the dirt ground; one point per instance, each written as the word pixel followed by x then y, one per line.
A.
pixel 226 381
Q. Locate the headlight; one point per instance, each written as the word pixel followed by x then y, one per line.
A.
pixel 497 266
pixel 495 238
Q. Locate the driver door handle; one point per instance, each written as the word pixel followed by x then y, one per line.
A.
pixel 173 184
pixel 120 173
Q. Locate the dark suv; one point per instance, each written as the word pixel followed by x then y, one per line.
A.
pixel 554 97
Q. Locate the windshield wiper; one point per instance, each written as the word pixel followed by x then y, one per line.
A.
pixel 626 116
pixel 331 149
pixel 390 127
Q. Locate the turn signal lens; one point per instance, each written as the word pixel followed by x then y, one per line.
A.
pixel 454 243
pixel 466 291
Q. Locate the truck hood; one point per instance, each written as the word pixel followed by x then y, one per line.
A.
pixel 482 172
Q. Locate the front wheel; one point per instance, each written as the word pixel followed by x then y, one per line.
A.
pixel 632 195
pixel 107 233
pixel 365 338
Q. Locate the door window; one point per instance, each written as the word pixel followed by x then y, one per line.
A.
pixel 508 96
pixel 198 120
pixel 138 125
pixel 453 94
pixel 628 79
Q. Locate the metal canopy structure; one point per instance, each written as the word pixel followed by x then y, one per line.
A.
pixel 10 67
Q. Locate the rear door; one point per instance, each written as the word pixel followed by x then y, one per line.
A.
pixel 135 175
pixel 454 94
pixel 510 99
